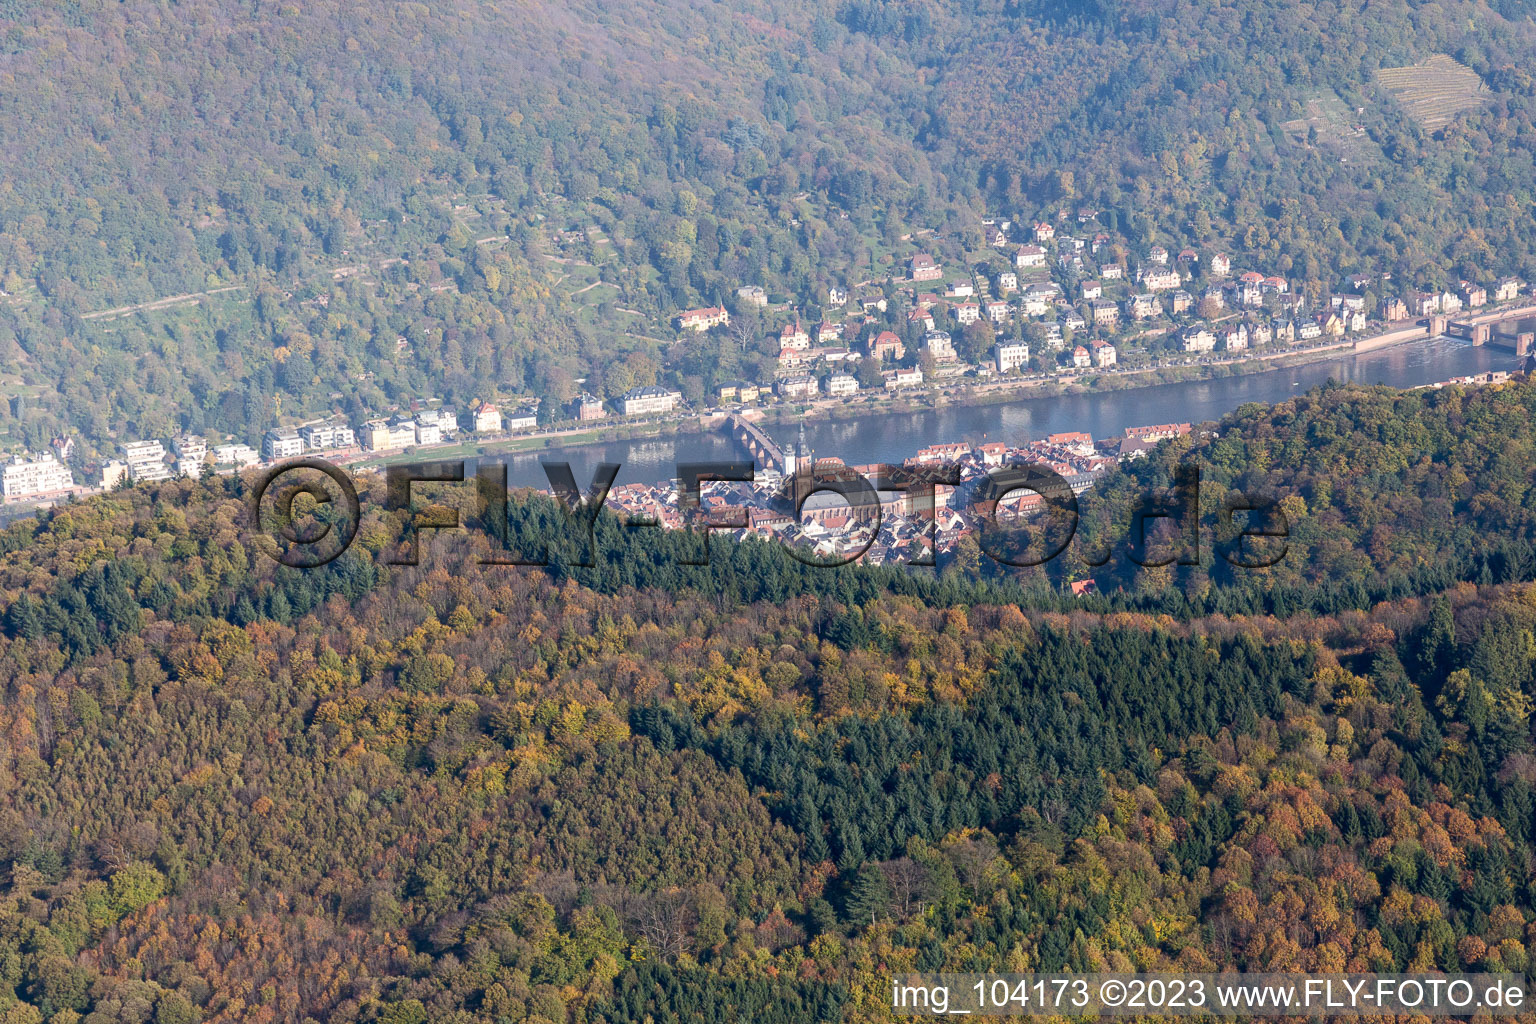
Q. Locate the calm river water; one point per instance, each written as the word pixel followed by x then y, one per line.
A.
pixel 892 438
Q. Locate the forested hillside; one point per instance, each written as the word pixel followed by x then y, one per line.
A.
pixel 365 204
pixel 238 792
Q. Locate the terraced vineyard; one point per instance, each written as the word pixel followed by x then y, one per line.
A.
pixel 1435 91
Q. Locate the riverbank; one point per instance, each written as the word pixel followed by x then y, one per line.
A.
pixel 957 395
pixel 1095 382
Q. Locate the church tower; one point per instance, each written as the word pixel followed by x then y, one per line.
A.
pixel 799 462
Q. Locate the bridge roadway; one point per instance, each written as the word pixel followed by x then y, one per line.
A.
pixel 765 450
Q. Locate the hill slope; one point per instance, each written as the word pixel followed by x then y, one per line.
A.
pixel 498 184
pixel 232 791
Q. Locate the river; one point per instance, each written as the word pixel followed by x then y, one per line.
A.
pixel 888 437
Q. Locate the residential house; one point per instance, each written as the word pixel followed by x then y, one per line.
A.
pixel 873 302
pixel 1507 289
pixel 1044 232
pixel 1394 308
pixel 799 386
pixel 902 378
pixel 959 290
pixel 886 345
pixel 1029 256
pixel 1104 311
pixel 1221 265
pixel 999 312
pixel 793 336
pixel 842 384
pixel 1103 353
pixel 1035 304
pixel 1007 281
pixel 1308 330
pixel 1235 339
pixel 1080 358
pixel 967 312
pixel 789 358
pixel 1112 272
pixel 992 453
pixel 522 418
pixel 703 319
pixel 1010 355
pixel 1093 290
pixel 1181 302
pixel 1158 255
pixel 1250 290
pixel 428 432
pixel 1284 330
pixel 487 419
pixel 921 317
pixel 1145 307
pixel 587 407
pixel 649 400
pixel 1352 303
pixel 753 295
pixel 922 268
pixel 1474 295
pixel 1450 302
pixel 837 296
pixel 1261 334
pixel 940 346
pixel 1197 339
pixel 1425 303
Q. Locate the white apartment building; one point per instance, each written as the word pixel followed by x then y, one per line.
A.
pixel 146 460
pixel 382 435
pixel 522 419
pixel 238 455
pixel 30 478
pixel 428 432
pixel 190 446
pixel 322 436
pixel 282 443
pixel 191 455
